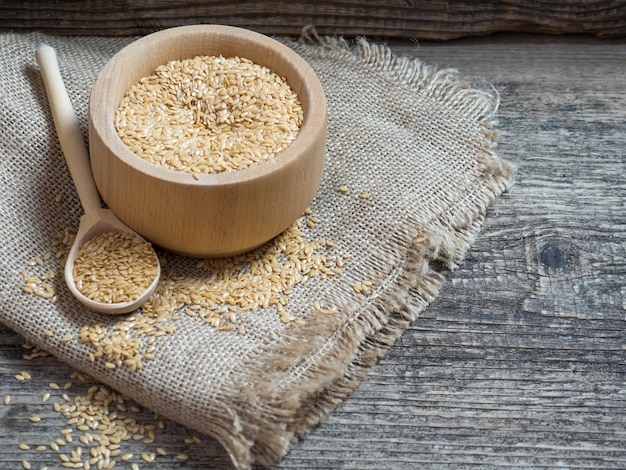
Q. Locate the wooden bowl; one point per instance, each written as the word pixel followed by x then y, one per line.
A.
pixel 217 214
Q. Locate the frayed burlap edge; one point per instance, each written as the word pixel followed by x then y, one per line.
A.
pixel 277 417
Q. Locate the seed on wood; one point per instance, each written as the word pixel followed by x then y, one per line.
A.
pixel 148 457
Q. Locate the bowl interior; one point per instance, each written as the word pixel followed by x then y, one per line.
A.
pixel 142 57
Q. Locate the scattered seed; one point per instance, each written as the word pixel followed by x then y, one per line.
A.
pixel 148 457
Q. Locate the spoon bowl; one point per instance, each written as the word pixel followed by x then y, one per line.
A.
pixel 91 225
pixel 96 219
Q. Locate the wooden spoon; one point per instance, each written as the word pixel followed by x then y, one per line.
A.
pixel 96 219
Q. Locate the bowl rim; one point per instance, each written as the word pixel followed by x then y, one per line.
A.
pixel 308 134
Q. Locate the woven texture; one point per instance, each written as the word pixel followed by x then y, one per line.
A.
pixel 417 140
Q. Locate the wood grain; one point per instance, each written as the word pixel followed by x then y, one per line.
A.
pixel 432 19
pixel 520 361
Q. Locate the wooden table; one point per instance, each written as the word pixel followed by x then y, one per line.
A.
pixel 521 360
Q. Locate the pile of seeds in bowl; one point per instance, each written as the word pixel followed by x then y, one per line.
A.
pixel 209 114
pixel 115 267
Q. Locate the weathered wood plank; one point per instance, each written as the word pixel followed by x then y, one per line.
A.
pixel 393 18
pixel 520 362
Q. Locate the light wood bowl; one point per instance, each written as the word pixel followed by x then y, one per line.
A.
pixel 218 214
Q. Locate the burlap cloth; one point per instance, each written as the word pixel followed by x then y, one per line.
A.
pixel 418 140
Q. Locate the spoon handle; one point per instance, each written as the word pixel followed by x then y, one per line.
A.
pixel 68 129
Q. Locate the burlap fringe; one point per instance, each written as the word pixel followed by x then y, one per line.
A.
pixel 274 417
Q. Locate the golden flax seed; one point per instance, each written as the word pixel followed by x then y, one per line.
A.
pixel 209 115
pixel 115 267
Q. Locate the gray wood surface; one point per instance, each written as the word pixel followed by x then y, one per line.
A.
pixel 424 19
pixel 521 360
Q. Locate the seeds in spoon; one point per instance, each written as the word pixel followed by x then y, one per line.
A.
pixel 115 267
